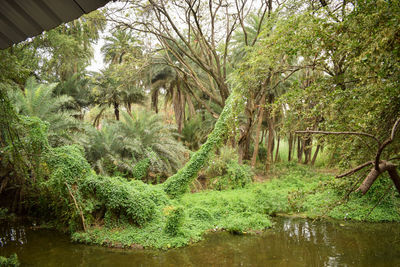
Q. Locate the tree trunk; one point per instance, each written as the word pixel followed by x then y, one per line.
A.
pixel 258 130
pixel 129 108
pixel 191 109
pixel 244 142
pixel 177 99
pixel 154 100
pixel 307 149
pixel 299 149
pixel 277 158
pixel 262 137
pixel 290 143
pixel 372 176
pixel 270 151
pixel 245 135
pixel 394 175
pixel 293 147
pixel 315 155
pixel 116 110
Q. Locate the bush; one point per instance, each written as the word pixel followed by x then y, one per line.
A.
pixel 200 214
pixel 12 261
pixel 141 168
pixel 136 201
pixel 175 216
pixel 224 171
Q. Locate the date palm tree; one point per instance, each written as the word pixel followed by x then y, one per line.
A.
pixel 39 100
pixel 119 146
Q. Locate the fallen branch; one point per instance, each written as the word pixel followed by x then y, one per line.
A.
pixel 385 143
pixel 380 166
pixel 354 170
pixel 77 207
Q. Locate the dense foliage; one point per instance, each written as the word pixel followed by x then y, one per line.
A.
pixel 103 154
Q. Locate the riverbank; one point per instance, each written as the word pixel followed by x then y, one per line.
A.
pixel 297 190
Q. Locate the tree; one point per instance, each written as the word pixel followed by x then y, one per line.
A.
pixel 116 85
pixel 39 100
pixel 119 44
pixel 136 138
pixel 68 48
pixel 182 29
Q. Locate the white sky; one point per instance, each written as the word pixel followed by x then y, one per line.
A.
pixel 97 62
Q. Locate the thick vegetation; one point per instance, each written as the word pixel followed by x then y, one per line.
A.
pixel 240 98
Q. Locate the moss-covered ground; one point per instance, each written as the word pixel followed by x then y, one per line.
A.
pixel 296 190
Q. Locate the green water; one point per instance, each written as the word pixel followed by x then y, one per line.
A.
pixel 292 242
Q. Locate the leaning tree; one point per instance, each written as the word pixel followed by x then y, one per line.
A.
pixel 380 166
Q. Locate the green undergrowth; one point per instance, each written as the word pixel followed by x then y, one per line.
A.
pixel 183 221
pixel 224 172
pixel 11 261
pixel 298 190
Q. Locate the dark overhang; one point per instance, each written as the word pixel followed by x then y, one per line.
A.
pixel 21 19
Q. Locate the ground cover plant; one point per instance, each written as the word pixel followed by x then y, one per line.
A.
pixel 249 210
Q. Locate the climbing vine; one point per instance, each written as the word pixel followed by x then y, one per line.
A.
pixel 177 184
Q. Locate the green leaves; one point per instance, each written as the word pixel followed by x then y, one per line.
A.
pixel 135 145
pixel 178 184
pixel 38 100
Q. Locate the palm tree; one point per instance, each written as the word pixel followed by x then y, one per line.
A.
pixel 107 91
pixel 39 100
pixel 176 90
pixel 116 87
pixel 118 45
pixel 119 146
pixel 147 136
pixel 78 87
pixel 104 149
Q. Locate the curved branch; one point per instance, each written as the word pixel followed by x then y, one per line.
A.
pixel 384 144
pixel 77 207
pixel 354 170
pixel 396 124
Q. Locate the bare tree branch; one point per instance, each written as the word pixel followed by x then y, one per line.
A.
pixel 340 133
pixel 354 170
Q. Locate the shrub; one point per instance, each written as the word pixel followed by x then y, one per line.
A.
pixel 175 216
pixel 137 201
pixel 200 214
pixel 141 168
pixel 11 261
pixel 224 171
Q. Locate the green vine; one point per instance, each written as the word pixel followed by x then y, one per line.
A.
pixel 178 184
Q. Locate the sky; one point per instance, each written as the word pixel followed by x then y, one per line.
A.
pixel 97 62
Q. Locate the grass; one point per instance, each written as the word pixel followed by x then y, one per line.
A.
pixel 298 190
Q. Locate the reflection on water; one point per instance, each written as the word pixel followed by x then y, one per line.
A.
pixel 10 234
pixel 292 242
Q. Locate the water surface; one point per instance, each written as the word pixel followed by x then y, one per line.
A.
pixel 292 242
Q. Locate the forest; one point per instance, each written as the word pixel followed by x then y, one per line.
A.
pixel 205 116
